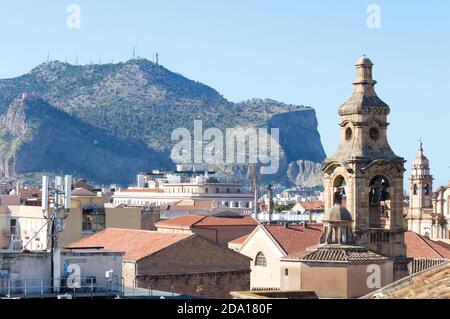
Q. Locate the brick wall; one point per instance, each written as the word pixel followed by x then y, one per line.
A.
pixel 195 266
pixel 217 285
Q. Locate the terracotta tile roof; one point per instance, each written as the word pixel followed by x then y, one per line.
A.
pixel 182 221
pixel 240 240
pixel 227 221
pixel 340 254
pixel 295 238
pixel 313 205
pixel 207 221
pixel 418 246
pixel 196 205
pixel 30 191
pixel 82 192
pixel 146 190
pixel 136 244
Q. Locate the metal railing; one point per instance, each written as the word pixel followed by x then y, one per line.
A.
pixel 44 288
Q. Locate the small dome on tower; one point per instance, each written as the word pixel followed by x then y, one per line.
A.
pixel 337 213
pixel 421 159
pixel 364 60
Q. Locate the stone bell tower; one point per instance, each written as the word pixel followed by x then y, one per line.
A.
pixel 420 195
pixel 365 175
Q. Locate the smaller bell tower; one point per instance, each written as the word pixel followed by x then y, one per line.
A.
pixel 420 191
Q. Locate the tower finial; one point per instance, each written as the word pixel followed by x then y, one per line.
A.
pixel 421 145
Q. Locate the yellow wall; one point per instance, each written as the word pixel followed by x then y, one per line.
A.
pixel 339 280
pixel 73 228
pixel 128 218
pixel 84 201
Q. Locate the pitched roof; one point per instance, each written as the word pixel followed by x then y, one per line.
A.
pixel 312 205
pixel 418 246
pixel 136 244
pixel 240 240
pixel 191 221
pixel 293 239
pixel 82 192
pixel 339 254
pixel 227 221
pixel 189 205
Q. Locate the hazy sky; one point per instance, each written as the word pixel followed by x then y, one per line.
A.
pixel 300 52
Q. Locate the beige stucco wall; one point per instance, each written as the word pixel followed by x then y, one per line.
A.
pixel 358 276
pixel 72 228
pixel 340 280
pixel 263 277
pixel 127 218
pixel 291 282
pixel 326 280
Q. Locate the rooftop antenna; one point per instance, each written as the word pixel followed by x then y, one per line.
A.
pixel 62 193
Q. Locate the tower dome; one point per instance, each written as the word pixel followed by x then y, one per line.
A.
pixel 421 159
pixel 364 99
pixel 337 213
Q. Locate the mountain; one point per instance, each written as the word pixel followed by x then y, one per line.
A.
pixel 37 137
pixel 135 106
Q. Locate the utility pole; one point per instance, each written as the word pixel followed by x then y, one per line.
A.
pixel 62 192
pixel 254 188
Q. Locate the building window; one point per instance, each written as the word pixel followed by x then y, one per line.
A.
pixel 374 134
pixel 415 189
pixel 217 190
pixel 206 190
pixel 348 134
pixel 228 190
pixel 13 226
pixel 260 260
pixel 286 272
pixel 227 204
pixel 238 190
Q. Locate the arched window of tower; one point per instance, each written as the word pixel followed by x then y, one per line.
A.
pixel 415 191
pixel 348 133
pixel 379 202
pixel 427 190
pixel 340 195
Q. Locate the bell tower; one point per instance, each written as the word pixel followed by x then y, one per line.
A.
pixel 365 175
pixel 420 192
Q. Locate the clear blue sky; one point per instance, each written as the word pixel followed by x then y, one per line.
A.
pixel 300 52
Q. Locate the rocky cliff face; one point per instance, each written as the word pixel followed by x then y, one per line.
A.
pixel 133 107
pixel 36 137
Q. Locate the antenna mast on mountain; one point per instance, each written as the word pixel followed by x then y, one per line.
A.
pixel 134 52
pixel 76 58
pixel 157 59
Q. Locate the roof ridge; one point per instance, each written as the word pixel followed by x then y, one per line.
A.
pixel 425 240
pixel 198 221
